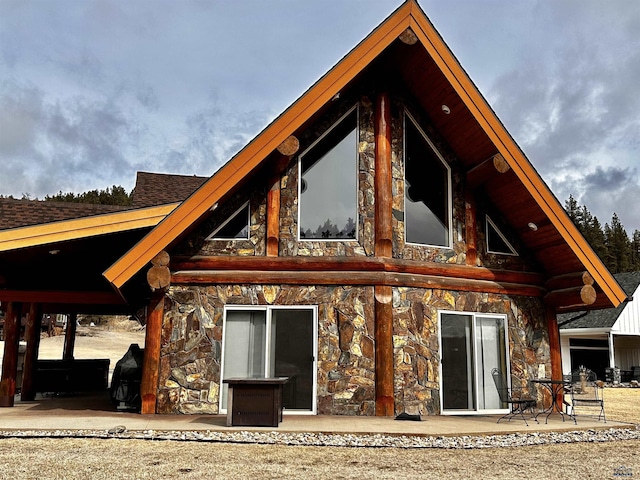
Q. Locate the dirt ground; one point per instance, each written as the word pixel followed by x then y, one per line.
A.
pixel 140 459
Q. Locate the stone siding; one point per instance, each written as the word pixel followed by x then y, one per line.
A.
pixel 192 343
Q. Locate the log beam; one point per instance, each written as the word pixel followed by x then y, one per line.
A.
pixel 569 280
pixel 567 297
pixel 13 312
pixel 289 146
pixel 384 351
pixel 203 277
pixel 159 275
pixel 486 170
pixel 61 297
pixel 151 362
pixel 408 37
pixel 360 264
pixel 383 177
pixel 32 336
pixel 70 336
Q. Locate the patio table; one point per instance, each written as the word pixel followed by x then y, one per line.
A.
pixel 556 389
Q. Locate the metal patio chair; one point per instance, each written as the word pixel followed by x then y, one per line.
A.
pixel 518 401
pixel 585 390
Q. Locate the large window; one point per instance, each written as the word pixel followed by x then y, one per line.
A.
pixel 427 189
pixel 328 183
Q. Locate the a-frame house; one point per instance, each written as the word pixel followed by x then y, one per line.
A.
pixel 384 243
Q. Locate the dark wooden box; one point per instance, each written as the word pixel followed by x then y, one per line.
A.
pixel 255 402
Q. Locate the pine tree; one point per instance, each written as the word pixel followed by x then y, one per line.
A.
pixel 618 246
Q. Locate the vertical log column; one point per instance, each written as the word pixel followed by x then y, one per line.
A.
pixel 554 346
pixel 383 248
pixel 10 359
pixel 286 150
pixel 70 336
pixel 32 336
pixel 471 227
pixel 151 362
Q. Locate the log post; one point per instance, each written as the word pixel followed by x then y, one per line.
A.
pixel 151 362
pixel 486 170
pixel 384 351
pixel 383 177
pixel 70 336
pixel 471 227
pixel 10 358
pixel 32 336
pixel 273 204
pixel 554 346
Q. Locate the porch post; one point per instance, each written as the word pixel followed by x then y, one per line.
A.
pixel 32 336
pixel 70 337
pixel 151 362
pixel 554 346
pixel 10 359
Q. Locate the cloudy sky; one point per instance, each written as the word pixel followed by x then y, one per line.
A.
pixel 92 91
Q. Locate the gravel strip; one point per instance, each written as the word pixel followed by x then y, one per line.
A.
pixel 343 440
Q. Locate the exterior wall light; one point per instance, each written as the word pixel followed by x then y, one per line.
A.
pixel 446 109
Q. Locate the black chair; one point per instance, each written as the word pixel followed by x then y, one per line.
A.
pixel 585 390
pixel 516 398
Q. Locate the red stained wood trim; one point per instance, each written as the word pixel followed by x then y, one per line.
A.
pixel 384 351
pixel 576 279
pixel 471 228
pixel 359 264
pixel 351 278
pixel 70 337
pixel 383 177
pixel 151 362
pixel 11 332
pixel 32 336
pixel 487 170
pixel 567 297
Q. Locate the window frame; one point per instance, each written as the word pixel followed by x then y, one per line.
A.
pixel 212 237
pixel 449 213
pixel 488 221
pixel 356 107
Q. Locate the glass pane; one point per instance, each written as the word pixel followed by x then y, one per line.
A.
pixel 237 227
pixel 426 191
pixel 244 348
pixel 328 187
pixel 490 348
pixel 457 357
pixel 292 353
pixel 496 242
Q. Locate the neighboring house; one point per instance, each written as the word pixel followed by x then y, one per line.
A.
pixel 601 339
pixel 384 243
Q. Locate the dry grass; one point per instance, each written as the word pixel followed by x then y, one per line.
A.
pixel 140 459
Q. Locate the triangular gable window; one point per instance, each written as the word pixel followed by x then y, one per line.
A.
pixel 496 241
pixel 236 227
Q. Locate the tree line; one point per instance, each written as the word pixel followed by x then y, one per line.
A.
pixel 611 243
pixel 115 195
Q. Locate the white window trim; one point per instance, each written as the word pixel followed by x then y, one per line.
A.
pixel 488 222
pixel 357 163
pixel 474 315
pixel 268 309
pixel 449 181
pixel 213 237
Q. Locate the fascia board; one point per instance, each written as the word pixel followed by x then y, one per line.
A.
pixel 259 148
pixel 84 227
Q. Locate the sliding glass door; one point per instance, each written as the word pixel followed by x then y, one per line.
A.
pixel 272 342
pixel 471 345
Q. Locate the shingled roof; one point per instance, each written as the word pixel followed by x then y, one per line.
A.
pixel 161 189
pixel 22 213
pixel 604 318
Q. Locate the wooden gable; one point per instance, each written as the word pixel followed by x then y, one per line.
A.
pixel 406 49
